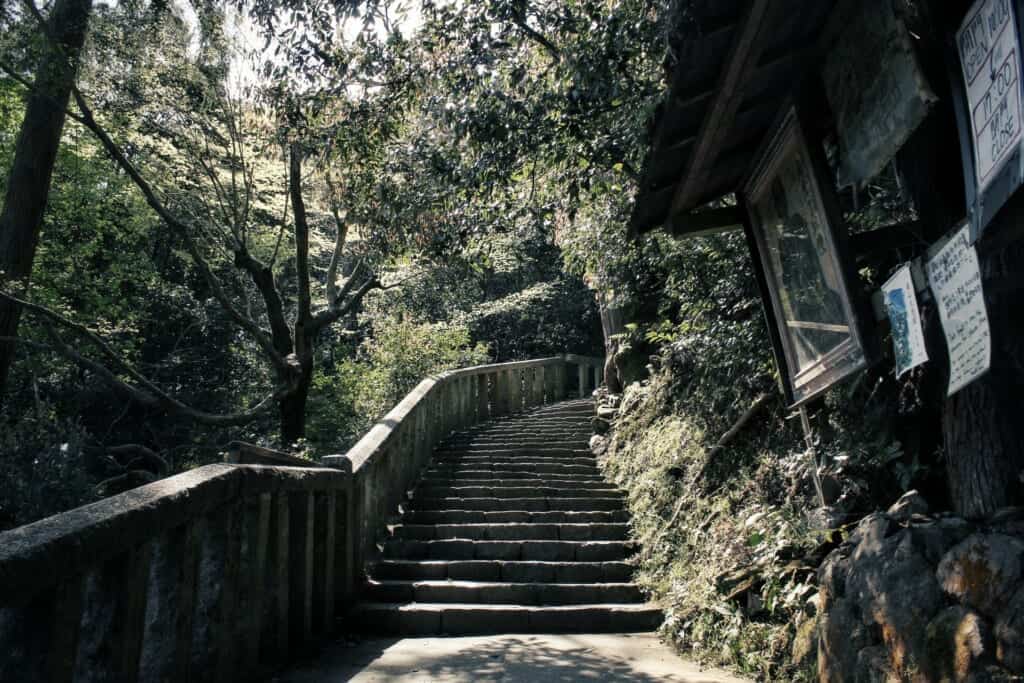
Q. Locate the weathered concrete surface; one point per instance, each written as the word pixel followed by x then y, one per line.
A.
pixel 635 657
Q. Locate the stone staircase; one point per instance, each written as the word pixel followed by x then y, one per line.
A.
pixel 511 530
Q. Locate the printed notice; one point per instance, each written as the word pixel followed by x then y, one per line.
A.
pixel 990 60
pixel 955 279
pixel 907 336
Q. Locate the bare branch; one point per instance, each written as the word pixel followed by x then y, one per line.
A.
pixel 339 245
pixel 305 300
pixel 246 323
pixel 331 315
pixel 149 394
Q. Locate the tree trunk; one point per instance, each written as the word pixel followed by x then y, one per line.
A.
pixel 28 184
pixel 293 405
pixel 611 325
pixel 293 414
pixel 983 431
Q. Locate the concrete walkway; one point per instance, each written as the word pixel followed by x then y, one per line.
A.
pixel 635 657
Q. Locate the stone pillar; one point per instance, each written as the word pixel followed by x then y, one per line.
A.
pixel 323 561
pixel 300 571
pixel 516 392
pixel 483 411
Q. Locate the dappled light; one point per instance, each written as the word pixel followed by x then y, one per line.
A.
pixel 543 659
pixel 549 340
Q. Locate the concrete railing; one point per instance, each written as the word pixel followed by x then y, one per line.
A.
pixel 218 574
pixel 224 572
pixel 387 461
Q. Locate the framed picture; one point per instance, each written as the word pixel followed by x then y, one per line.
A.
pixel 793 228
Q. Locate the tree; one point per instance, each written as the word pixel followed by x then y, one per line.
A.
pixel 28 183
pixel 214 211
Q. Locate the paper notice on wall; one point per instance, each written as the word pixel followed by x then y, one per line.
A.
pixel 955 279
pixel 905 318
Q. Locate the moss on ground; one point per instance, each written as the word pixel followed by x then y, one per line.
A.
pixel 740 521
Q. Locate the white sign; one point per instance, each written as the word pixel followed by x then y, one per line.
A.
pixel 955 279
pixel 990 60
pixel 907 336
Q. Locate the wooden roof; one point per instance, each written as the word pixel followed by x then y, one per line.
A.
pixel 737 65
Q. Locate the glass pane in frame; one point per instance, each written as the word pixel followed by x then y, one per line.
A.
pixel 802 267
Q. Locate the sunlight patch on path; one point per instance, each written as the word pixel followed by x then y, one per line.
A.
pixel 636 657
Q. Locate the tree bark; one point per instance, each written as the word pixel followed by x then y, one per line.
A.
pixel 28 183
pixel 983 432
pixel 293 404
pixel 611 325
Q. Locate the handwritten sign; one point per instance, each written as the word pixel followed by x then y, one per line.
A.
pixel 990 61
pixel 907 335
pixel 955 279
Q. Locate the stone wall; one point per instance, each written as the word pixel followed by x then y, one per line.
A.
pixel 913 596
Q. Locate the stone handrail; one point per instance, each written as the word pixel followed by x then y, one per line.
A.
pixel 387 461
pixel 221 573
pixel 224 572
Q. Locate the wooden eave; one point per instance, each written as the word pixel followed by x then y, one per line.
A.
pixel 739 64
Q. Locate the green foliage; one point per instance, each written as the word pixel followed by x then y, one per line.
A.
pixel 353 393
pixel 42 469
pixel 401 353
pixel 543 320
pixel 742 510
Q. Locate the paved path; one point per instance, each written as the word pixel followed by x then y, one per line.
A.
pixel 634 657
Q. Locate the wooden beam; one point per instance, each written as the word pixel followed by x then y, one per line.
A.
pixel 707 222
pixel 649 211
pixel 746 51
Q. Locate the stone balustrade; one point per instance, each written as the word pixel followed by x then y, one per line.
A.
pixel 225 572
pixel 220 573
pixel 387 461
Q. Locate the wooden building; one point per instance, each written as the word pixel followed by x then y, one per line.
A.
pixel 780 113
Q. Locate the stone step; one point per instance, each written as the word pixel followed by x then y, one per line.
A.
pixel 464 460
pixel 501 593
pixel 511 451
pixel 514 532
pixel 561 409
pixel 525 435
pixel 461 491
pixel 502 570
pixel 465 619
pixel 489 477
pixel 514 517
pixel 507 469
pixel 533 443
pixel 521 423
pixel 547 551
pixel 592 482
pixel 570 432
pixel 538 504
